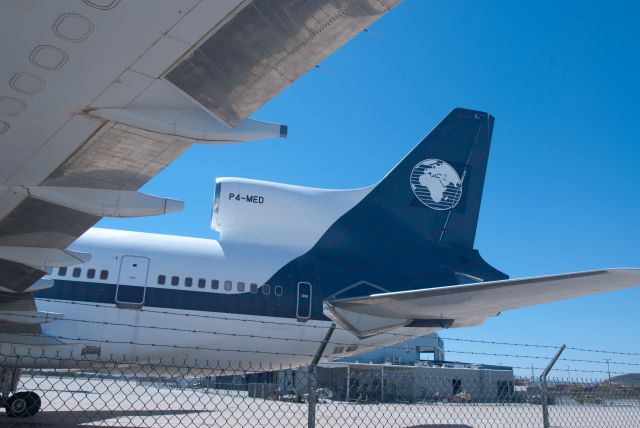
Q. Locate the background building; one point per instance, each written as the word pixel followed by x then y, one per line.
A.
pixel 414 371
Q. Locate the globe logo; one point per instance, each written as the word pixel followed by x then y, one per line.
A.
pixel 436 184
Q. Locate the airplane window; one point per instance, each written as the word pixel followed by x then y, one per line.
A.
pixel 227 285
pixel 278 290
pixel 188 281
pixel 62 271
pixel 254 287
pixel 104 274
pixel 91 273
pixel 266 289
pixel 202 283
pixel 76 272
pixel 175 280
pixel 215 284
pixel 162 279
pixel 241 287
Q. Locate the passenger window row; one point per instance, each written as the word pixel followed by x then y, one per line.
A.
pixel 227 285
pixel 89 273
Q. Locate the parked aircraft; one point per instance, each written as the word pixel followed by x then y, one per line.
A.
pixel 385 263
pixel 95 105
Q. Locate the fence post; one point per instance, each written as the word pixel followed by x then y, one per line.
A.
pixel 348 395
pixel 311 381
pixel 543 385
pixel 311 396
pixel 382 384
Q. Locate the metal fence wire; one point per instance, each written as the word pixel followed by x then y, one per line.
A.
pixel 176 393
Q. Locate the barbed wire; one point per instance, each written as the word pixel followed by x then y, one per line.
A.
pixel 176 329
pixel 540 369
pixel 493 342
pixel 311 326
pixel 574 360
pixel 530 345
pixel 154 345
pixel 164 362
pixel 263 365
pixel 601 351
pixel 225 318
pixel 364 347
pixel 252 351
pixel 324 328
pixel 289 339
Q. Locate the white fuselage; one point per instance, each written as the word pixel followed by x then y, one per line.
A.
pixel 180 317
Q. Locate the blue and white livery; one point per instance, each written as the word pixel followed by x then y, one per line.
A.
pixel 377 261
pixel 383 262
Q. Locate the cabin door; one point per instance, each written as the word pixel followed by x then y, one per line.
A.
pixel 303 307
pixel 132 282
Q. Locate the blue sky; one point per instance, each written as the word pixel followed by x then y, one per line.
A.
pixel 561 195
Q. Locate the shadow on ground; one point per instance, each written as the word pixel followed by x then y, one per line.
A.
pixel 440 426
pixel 80 418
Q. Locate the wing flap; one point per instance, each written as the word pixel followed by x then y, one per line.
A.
pixel 21 321
pixel 16 277
pixel 471 304
pixel 265 47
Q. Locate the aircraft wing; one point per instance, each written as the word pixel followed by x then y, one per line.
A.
pixel 469 304
pixel 100 95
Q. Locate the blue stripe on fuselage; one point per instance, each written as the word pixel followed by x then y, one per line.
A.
pixel 256 304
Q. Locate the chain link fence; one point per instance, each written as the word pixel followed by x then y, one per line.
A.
pixel 216 394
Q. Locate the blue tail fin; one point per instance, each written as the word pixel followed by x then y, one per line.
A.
pixel 435 191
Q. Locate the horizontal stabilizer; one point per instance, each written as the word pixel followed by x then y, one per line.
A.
pixel 469 304
pixel 42 258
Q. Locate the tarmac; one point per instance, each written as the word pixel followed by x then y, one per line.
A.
pixel 68 402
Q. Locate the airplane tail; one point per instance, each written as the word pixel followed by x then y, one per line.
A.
pixel 435 191
pixel 437 188
pixel 415 228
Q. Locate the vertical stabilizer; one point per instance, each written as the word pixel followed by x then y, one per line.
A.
pixel 434 193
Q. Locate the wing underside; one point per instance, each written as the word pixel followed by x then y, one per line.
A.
pixel 469 304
